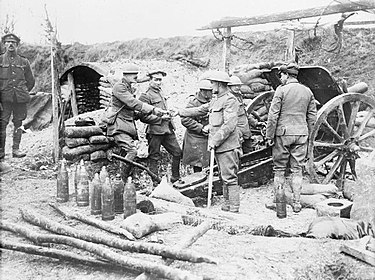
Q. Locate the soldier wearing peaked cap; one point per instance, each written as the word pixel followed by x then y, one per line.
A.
pixel 291 117
pixel 160 130
pixel 16 81
pixel 124 103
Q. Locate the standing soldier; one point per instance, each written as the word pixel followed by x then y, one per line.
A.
pixel 243 120
pixel 160 130
pixel 124 102
pixel 195 152
pixel 223 137
pixel 291 117
pixel 16 81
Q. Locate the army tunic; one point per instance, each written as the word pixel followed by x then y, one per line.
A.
pixel 223 134
pixel 195 150
pixel 159 131
pixel 124 130
pixel 16 81
pixel 243 125
pixel 291 117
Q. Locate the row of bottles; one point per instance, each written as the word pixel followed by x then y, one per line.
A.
pixel 107 197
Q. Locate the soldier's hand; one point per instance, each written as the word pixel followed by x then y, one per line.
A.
pixel 173 112
pixel 206 129
pixel 166 117
pixel 159 112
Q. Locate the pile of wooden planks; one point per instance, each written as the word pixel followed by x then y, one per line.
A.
pixel 105 92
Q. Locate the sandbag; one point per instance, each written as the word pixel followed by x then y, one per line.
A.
pixel 165 191
pixel 75 142
pixel 139 224
pixel 258 87
pixel 98 155
pixel 307 201
pixel 336 228
pixel 309 189
pixel 98 139
pixel 72 153
pixel 245 77
pixel 82 131
pixel 258 80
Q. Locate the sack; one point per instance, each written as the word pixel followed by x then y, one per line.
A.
pixel 109 115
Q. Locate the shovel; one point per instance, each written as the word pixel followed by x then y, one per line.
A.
pixel 210 177
pixel 111 155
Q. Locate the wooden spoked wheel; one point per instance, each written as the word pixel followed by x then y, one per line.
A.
pixel 342 132
pixel 260 105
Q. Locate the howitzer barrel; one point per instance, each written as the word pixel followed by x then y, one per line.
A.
pixel 361 87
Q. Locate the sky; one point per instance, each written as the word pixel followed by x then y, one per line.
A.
pixel 97 21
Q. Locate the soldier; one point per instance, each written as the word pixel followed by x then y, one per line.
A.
pixel 16 81
pixel 195 151
pixel 223 137
pixel 124 102
pixel 291 117
pixel 160 130
pixel 243 120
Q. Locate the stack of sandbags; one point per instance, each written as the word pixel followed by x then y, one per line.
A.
pixel 253 78
pixel 87 97
pixel 105 92
pixel 85 142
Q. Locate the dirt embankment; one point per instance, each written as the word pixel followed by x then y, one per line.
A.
pixel 354 62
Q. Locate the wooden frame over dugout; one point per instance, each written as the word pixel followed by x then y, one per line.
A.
pixel 228 23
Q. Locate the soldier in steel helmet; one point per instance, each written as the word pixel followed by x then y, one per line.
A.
pixel 160 130
pixel 195 151
pixel 16 81
pixel 223 136
pixel 291 117
pixel 125 103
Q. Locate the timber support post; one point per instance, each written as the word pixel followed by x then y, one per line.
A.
pixel 73 96
pixel 226 48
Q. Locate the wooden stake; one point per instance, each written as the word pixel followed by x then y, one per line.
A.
pixel 102 251
pixel 186 242
pixel 93 222
pixel 73 96
pixel 131 246
pixel 226 49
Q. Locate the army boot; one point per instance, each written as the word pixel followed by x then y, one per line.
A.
pixel 225 206
pixel 17 134
pixel 175 169
pixel 278 180
pixel 234 198
pixel 296 187
pixel 153 166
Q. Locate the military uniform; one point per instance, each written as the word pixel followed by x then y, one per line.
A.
pixel 291 117
pixel 243 125
pixel 160 132
pixel 224 137
pixel 16 81
pixel 195 152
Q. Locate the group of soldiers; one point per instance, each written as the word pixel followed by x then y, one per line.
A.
pixel 215 118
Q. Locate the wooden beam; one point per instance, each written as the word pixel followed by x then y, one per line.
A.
pixel 55 99
pixel 226 49
pixel 290 51
pixel 73 96
pixel 350 6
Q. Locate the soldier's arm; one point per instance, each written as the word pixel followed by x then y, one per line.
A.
pixel 311 113
pixel 126 97
pixel 190 123
pixel 29 77
pixel 194 112
pixel 273 114
pixel 230 112
pixel 147 118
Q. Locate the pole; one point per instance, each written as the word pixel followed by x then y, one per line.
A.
pixel 226 49
pixel 210 178
pixel 55 110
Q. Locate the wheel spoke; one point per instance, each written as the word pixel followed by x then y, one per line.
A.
pixel 342 122
pixel 326 158
pixel 328 145
pixel 368 134
pixel 353 116
pixel 333 169
pixel 352 167
pixel 364 123
pixel 332 131
pixel 366 149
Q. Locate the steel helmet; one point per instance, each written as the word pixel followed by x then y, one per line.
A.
pixel 205 84
pixel 219 76
pixel 130 68
pixel 235 81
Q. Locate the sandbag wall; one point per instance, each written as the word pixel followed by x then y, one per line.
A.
pixel 85 142
pixel 252 76
pixel 105 92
